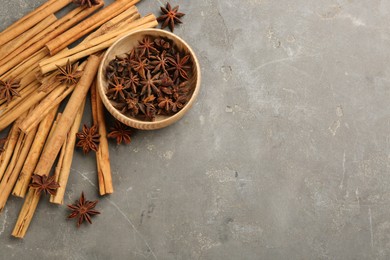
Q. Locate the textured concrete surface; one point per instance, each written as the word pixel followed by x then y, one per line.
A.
pixel 284 156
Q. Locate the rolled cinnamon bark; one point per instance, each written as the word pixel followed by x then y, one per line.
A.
pixel 33 20
pixel 55 143
pixel 88 25
pixel 23 181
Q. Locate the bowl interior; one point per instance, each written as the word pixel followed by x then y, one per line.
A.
pixel 124 45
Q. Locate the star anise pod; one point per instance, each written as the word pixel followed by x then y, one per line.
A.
pixel 146 47
pixel 147 108
pixel 88 139
pixel 120 132
pixel 44 183
pixel 83 209
pixel 159 62
pixel 130 105
pixel 2 143
pixel 69 74
pixel 140 65
pixel 117 87
pixel 162 44
pixel 88 3
pixel 8 89
pixel 170 17
pixel 149 84
pixel 132 81
pixel 179 66
pixel 165 103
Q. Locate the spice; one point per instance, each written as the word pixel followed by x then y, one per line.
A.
pixel 88 139
pixel 120 132
pixel 8 89
pixel 83 209
pixel 151 79
pixel 170 16
pixel 45 184
pixel 88 3
pixel 69 74
pixel 2 143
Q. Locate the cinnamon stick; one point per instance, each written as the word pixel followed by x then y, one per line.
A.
pixel 17 42
pixel 23 181
pixel 13 170
pixel 55 143
pixel 101 43
pixel 102 155
pixel 63 169
pixel 33 20
pixel 88 25
pixel 47 35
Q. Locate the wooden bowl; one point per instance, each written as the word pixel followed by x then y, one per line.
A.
pixel 124 45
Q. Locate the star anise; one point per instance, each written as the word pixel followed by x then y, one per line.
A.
pixel 8 89
pixel 165 103
pixel 162 44
pixel 179 66
pixel 159 62
pixel 147 108
pixel 88 3
pixel 146 46
pixel 170 17
pixel 120 132
pixel 140 65
pixel 83 209
pixel 132 81
pixel 130 105
pixel 149 84
pixel 2 144
pixel 88 139
pixel 69 74
pixel 117 87
pixel 44 183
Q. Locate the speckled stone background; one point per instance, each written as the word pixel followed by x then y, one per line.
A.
pixel 284 156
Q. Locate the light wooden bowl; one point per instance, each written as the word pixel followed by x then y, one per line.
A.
pixel 124 45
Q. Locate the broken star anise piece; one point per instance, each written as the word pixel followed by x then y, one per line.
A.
pixel 8 89
pixel 120 132
pixel 69 74
pixel 44 183
pixel 170 16
pixel 88 3
pixel 2 144
pixel 83 209
pixel 89 139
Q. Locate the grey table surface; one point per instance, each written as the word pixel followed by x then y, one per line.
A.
pixel 285 155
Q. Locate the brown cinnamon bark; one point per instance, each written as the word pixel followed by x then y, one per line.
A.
pixel 55 143
pixel 88 25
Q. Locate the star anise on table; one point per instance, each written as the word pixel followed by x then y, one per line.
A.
pixel 120 132
pixel 149 84
pixel 8 89
pixel 88 3
pixel 146 47
pixel 170 16
pixel 179 66
pixel 89 139
pixel 117 87
pixel 83 209
pixel 69 74
pixel 2 144
pixel 44 183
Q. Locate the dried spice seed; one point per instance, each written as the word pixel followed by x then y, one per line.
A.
pixel 89 139
pixel 116 87
pixel 88 3
pixel 69 74
pixel 44 183
pixel 8 89
pixel 170 16
pixel 83 210
pixel 120 132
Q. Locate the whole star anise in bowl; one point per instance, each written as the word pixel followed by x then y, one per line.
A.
pixel 149 79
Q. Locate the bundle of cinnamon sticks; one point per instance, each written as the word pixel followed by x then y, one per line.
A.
pixel 31 50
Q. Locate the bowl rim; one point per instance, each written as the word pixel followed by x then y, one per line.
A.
pixel 168 120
